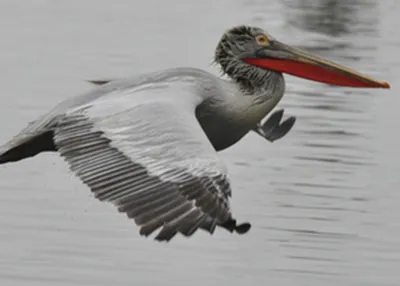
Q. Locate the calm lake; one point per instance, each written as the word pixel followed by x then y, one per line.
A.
pixel 323 201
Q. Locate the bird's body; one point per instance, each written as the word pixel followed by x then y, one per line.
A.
pixel 148 144
pixel 215 100
pixel 217 106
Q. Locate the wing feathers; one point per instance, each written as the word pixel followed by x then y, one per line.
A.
pixel 170 229
pixel 152 192
pixel 135 209
pixel 150 215
pixel 192 222
pixel 158 221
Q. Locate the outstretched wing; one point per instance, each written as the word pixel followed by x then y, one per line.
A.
pixel 147 154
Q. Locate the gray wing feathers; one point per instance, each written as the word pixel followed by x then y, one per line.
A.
pixel 154 163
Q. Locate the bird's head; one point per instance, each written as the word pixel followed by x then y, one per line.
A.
pixel 242 48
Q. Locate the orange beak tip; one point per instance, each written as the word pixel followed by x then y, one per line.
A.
pixel 386 84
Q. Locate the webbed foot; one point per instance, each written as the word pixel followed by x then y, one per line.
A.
pixel 273 129
pixel 231 225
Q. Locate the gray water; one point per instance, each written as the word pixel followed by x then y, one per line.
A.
pixel 323 201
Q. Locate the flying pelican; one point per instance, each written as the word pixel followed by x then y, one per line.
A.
pixel 149 144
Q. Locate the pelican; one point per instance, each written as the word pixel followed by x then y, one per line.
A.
pixel 148 144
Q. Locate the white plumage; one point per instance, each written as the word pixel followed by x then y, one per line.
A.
pixel 149 144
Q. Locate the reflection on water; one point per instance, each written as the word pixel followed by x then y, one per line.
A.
pixel 321 212
pixel 332 133
pixel 322 196
pixel 332 17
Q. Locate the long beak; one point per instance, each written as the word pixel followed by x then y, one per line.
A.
pixel 283 58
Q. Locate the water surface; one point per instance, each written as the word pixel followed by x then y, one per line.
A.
pixel 323 201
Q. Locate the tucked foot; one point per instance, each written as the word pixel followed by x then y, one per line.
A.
pixel 243 228
pixel 273 129
pixel 231 226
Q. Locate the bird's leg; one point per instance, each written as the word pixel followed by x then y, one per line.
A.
pixel 273 129
pixel 231 225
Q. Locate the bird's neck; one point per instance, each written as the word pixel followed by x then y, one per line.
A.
pixel 257 82
pixel 251 98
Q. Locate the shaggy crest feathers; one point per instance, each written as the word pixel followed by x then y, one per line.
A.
pixel 233 46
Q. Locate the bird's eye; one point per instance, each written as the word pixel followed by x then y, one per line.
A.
pixel 262 40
